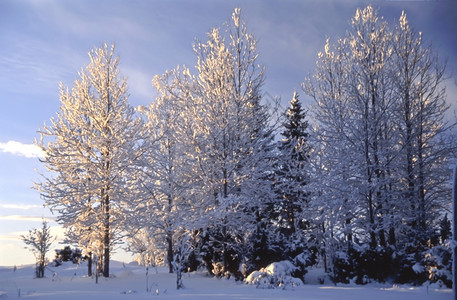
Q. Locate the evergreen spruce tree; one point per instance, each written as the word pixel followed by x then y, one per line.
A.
pixel 291 174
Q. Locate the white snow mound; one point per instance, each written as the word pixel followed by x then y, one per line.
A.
pixel 275 275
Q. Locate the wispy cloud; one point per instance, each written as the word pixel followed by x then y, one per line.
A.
pixel 25 218
pixel 21 206
pixel 140 85
pixel 17 148
pixel 15 236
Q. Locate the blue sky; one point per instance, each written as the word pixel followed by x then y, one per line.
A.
pixel 43 42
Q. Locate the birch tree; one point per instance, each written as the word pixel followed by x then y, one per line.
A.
pixel 380 144
pixel 368 87
pixel 333 161
pixel 421 106
pixel 168 178
pixel 91 148
pixel 228 136
pixel 234 142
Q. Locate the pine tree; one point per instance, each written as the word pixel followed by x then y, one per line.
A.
pixel 445 229
pixel 291 171
pixel 91 150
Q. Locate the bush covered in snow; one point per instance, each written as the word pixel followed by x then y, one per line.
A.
pixel 438 261
pixel 301 262
pixel 343 267
pixel 275 275
pixel 417 265
pixel 412 265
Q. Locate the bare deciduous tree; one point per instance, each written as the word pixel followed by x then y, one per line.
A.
pixel 39 241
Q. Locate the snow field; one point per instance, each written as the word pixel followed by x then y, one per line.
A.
pixel 68 282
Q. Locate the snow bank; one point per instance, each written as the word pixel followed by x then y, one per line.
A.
pixel 275 275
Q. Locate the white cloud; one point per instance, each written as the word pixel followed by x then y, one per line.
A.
pixel 21 206
pixel 140 85
pixel 17 148
pixel 25 218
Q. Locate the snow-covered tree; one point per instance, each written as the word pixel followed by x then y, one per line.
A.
pixel 182 250
pixel 380 146
pixel 370 104
pixel 227 134
pixel 91 148
pixel 234 137
pixel 39 241
pixel 418 85
pixel 291 171
pixel 168 181
pixel 148 248
pixel 291 178
pixel 352 111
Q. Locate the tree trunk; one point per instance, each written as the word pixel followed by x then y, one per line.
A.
pixel 170 252
pixel 106 253
pixel 382 238
pixel 392 238
pixel 370 213
pixel 323 251
pixel 106 234
pixel 224 251
pixel 454 236
pixel 179 276
pixel 89 265
pixel 99 262
pixel 349 233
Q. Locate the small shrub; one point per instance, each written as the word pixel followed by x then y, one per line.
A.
pixel 68 254
pixel 437 264
pixel 416 264
pixel 301 262
pixel 275 275
pixel 343 267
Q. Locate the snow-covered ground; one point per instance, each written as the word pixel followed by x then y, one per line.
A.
pixel 129 282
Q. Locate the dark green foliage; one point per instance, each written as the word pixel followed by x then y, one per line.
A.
pixel 445 229
pixel 418 264
pixel 438 264
pixel 363 264
pixel 291 178
pixel 302 261
pixel 410 269
pixel 264 252
pixel 414 265
pixel 373 263
pixel 193 262
pixel 343 268
pixel 69 254
pixel 218 262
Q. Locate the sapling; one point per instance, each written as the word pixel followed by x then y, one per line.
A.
pixel 39 242
pixel 183 249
